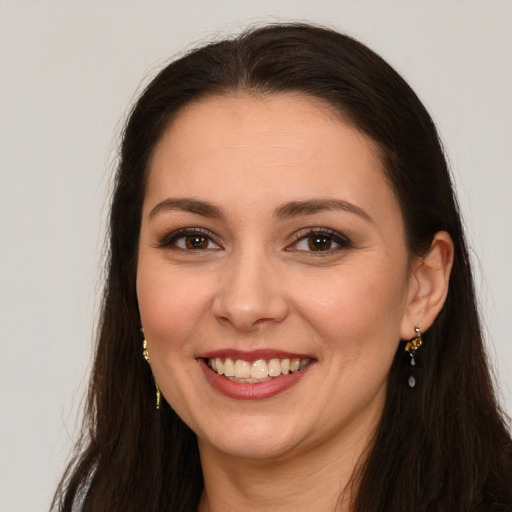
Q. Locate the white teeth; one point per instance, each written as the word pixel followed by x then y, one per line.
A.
pixel 274 368
pixel 242 369
pixel 294 365
pixel 257 371
pixel 229 367
pixel 250 381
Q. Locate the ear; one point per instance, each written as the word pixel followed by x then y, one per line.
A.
pixel 428 285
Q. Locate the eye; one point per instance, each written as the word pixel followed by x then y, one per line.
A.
pixel 319 240
pixel 315 243
pixel 189 240
pixel 194 242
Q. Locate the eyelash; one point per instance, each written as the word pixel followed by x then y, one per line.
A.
pixel 172 238
pixel 330 235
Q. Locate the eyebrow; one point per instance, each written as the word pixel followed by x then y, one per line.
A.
pixel 187 205
pixel 312 206
pixel 285 211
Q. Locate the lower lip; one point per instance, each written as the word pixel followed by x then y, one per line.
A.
pixel 252 391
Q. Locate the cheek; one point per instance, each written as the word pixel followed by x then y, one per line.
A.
pixel 171 304
pixel 354 307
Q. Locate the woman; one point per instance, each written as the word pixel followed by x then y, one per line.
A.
pixel 288 257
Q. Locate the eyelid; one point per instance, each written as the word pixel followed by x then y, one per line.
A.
pixel 168 239
pixel 343 241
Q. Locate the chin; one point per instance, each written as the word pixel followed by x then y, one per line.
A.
pixel 267 439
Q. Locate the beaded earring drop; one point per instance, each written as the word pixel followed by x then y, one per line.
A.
pixel 411 347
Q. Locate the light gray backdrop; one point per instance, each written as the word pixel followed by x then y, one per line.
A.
pixel 68 72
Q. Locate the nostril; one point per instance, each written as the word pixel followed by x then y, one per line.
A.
pixel 251 318
pixel 249 295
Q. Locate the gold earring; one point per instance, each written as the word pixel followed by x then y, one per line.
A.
pixel 145 354
pixel 157 396
pixel 415 343
pixel 411 347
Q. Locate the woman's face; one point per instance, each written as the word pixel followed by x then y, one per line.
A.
pixel 271 241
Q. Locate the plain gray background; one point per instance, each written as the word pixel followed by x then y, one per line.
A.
pixel 68 73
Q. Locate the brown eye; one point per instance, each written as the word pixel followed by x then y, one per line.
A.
pixel 196 242
pixel 319 243
pixel 189 240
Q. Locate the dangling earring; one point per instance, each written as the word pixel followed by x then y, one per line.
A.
pixel 411 347
pixel 145 353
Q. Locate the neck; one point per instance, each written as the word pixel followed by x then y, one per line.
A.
pixel 319 479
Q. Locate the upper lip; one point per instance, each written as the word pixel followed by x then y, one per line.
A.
pixel 253 355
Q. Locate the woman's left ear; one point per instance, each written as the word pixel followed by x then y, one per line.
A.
pixel 428 285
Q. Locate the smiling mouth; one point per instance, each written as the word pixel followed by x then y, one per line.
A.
pixel 261 370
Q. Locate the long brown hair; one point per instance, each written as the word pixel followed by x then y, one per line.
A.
pixel 442 446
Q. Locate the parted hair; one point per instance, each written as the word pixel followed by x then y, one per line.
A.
pixel 443 446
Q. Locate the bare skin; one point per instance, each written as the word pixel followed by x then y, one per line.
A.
pixel 268 226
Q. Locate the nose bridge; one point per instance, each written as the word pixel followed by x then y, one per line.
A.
pixel 249 290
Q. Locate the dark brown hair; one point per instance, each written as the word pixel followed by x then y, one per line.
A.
pixel 442 446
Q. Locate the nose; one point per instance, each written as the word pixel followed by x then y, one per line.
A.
pixel 250 293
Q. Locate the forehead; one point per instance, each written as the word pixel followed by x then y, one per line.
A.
pixel 243 118
pixel 262 148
